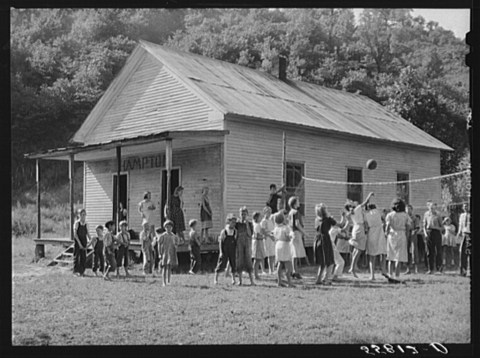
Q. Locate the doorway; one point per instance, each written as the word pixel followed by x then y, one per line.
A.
pixel 174 182
pixel 123 197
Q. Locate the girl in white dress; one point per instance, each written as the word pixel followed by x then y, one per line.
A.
pixel 397 224
pixel 376 240
pixel 448 240
pixel 283 249
pixel 268 226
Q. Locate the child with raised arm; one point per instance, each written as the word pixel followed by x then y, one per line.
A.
pixel 109 247
pixel 97 245
pixel 283 249
pixel 123 240
pixel 227 243
pixel 146 242
pixel 167 250
pixel 194 246
pixel 258 245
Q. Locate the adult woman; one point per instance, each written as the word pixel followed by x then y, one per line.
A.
pixel 176 213
pixel 376 242
pixel 397 224
pixel 146 209
pixel 205 215
pixel 323 244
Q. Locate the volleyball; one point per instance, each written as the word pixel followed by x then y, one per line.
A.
pixel 371 164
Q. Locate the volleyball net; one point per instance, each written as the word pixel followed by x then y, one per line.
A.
pixel 449 191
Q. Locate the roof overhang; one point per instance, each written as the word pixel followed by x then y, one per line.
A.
pixel 181 140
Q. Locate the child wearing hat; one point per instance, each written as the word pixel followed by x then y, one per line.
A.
pixel 227 243
pixel 109 247
pixel 147 248
pixel 97 245
pixel 123 240
pixel 194 246
pixel 167 251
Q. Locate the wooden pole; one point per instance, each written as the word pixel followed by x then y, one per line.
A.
pixel 117 189
pixel 39 249
pixel 284 169
pixel 71 175
pixel 168 164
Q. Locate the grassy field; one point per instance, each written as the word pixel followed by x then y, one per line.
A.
pixel 50 306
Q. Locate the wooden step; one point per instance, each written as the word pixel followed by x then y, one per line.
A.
pixel 63 261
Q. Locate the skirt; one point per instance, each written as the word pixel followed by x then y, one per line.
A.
pixel 258 249
pixel 323 251
pixel 359 239
pixel 283 251
pixel 269 247
pixel 376 241
pixel 449 240
pixel 397 246
pixel 298 251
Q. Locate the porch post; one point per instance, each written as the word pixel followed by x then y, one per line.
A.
pixel 39 248
pixel 168 164
pixel 117 189
pixel 284 169
pixel 71 175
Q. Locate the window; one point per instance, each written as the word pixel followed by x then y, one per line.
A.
pixel 403 190
pixel 354 192
pixel 294 184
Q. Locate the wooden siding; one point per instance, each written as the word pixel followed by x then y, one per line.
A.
pixel 198 168
pixel 254 161
pixel 152 101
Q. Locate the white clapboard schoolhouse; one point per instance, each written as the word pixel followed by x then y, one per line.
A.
pixel 235 129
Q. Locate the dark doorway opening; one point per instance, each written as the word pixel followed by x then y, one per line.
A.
pixel 174 182
pixel 123 196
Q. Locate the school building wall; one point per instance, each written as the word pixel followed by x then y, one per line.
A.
pixel 253 153
pixel 198 168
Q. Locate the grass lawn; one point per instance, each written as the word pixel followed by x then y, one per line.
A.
pixel 52 306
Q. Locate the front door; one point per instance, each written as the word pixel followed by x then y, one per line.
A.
pixel 174 182
pixel 123 196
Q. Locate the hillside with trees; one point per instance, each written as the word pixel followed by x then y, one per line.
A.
pixel 63 60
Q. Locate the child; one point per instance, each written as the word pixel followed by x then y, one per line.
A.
pixel 123 240
pixel 323 244
pixel 109 247
pixel 345 234
pixel 268 226
pixel 295 223
pixel 283 249
pixel 448 240
pixel 244 246
pixel 167 250
pixel 376 241
pixel 146 208
pixel 258 246
pixel 194 246
pixel 227 243
pixel 205 215
pixel 80 234
pixel 339 261
pixel 97 245
pixel 147 248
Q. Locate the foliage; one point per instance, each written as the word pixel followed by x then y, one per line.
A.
pixel 62 61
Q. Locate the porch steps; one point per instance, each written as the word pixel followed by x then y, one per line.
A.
pixel 66 257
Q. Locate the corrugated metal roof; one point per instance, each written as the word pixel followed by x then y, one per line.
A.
pixel 243 91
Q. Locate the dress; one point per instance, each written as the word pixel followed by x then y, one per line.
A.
pixel 147 251
pixel 145 206
pixel 448 238
pixel 206 217
pixel 358 239
pixel 258 245
pixel 397 238
pixel 176 214
pixel 297 243
pixel 323 250
pixel 283 244
pixel 376 241
pixel 339 261
pixel 268 226
pixel 244 246
pixel 167 249
pixel 342 245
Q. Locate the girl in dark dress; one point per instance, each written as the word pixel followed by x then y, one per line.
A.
pixel 323 245
pixel 176 213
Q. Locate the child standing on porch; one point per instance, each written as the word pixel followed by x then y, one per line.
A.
pixel 147 248
pixel 109 247
pixel 167 250
pixel 97 245
pixel 80 234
